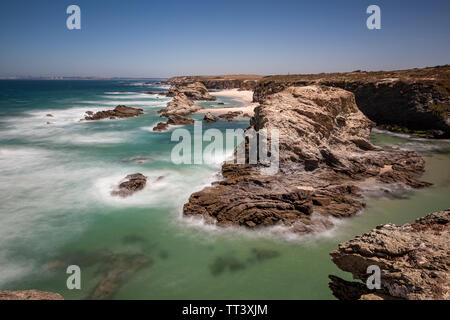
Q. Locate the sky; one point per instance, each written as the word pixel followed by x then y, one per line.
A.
pixel 165 38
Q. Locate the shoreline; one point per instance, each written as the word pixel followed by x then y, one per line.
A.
pixel 244 96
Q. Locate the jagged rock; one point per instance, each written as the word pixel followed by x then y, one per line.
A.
pixel 414 261
pixel 133 182
pixel 180 105
pixel 209 117
pixel 177 120
pixel 161 126
pixel 231 115
pixel 194 91
pixel 29 295
pixel 90 113
pixel 120 111
pixel 321 167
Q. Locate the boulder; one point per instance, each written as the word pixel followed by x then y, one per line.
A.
pixel 209 117
pixel 180 105
pixel 131 184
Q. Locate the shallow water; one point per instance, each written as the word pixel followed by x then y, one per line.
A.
pixel 56 210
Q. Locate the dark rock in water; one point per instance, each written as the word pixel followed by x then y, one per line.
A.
pixel 90 113
pixel 161 93
pixel 231 115
pixel 29 295
pixel 413 259
pixel 161 126
pixel 323 164
pixel 134 182
pixel 220 103
pixel 210 117
pixel 49 115
pixel 48 122
pixel 179 120
pixel 120 111
pixel 194 91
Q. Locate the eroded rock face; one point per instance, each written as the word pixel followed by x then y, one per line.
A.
pixel 133 182
pixel 414 260
pixel 325 160
pixel 29 295
pixel 120 111
pixel 194 91
pixel 180 105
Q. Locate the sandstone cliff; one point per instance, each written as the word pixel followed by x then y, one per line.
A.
pixel 414 261
pixel 325 157
pixel 415 100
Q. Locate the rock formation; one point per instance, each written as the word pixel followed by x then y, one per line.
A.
pixel 29 295
pixel 325 159
pixel 209 117
pixel 414 101
pixel 194 91
pixel 161 126
pixel 174 120
pixel 118 112
pixel 133 182
pixel 231 115
pixel 180 105
pixel 413 258
pixel 240 81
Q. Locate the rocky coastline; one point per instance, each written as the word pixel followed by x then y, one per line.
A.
pixel 326 158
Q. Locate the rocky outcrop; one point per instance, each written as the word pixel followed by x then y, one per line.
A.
pixel 174 120
pixel 325 159
pixel 118 112
pixel 161 126
pixel 413 101
pixel 194 91
pixel 180 105
pixel 29 295
pixel 131 184
pixel 209 117
pixel 413 258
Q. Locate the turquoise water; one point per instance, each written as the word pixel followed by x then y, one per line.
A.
pixel 56 209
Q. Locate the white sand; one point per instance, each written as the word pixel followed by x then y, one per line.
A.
pixel 245 96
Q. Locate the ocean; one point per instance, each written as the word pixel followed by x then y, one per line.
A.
pixel 56 209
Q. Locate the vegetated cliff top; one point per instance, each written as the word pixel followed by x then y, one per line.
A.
pixel 416 74
pixel 216 77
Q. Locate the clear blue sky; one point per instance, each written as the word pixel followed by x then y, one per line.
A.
pixel 168 37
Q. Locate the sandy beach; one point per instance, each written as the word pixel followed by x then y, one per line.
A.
pixel 245 96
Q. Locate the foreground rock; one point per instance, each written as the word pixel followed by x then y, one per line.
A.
pixel 174 120
pixel 118 112
pixel 180 105
pixel 29 295
pixel 133 182
pixel 325 160
pixel 414 261
pixel 413 101
pixel 194 91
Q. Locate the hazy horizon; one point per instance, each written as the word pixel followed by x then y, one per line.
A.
pixel 148 39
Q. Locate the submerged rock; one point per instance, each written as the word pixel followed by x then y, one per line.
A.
pixel 413 258
pixel 194 91
pixel 133 182
pixel 120 111
pixel 29 295
pixel 324 157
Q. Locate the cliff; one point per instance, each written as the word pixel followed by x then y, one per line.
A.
pixel 239 81
pixel 413 258
pixel 415 100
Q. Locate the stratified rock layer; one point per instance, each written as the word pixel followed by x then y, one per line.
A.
pixel 325 156
pixel 29 295
pixel 414 260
